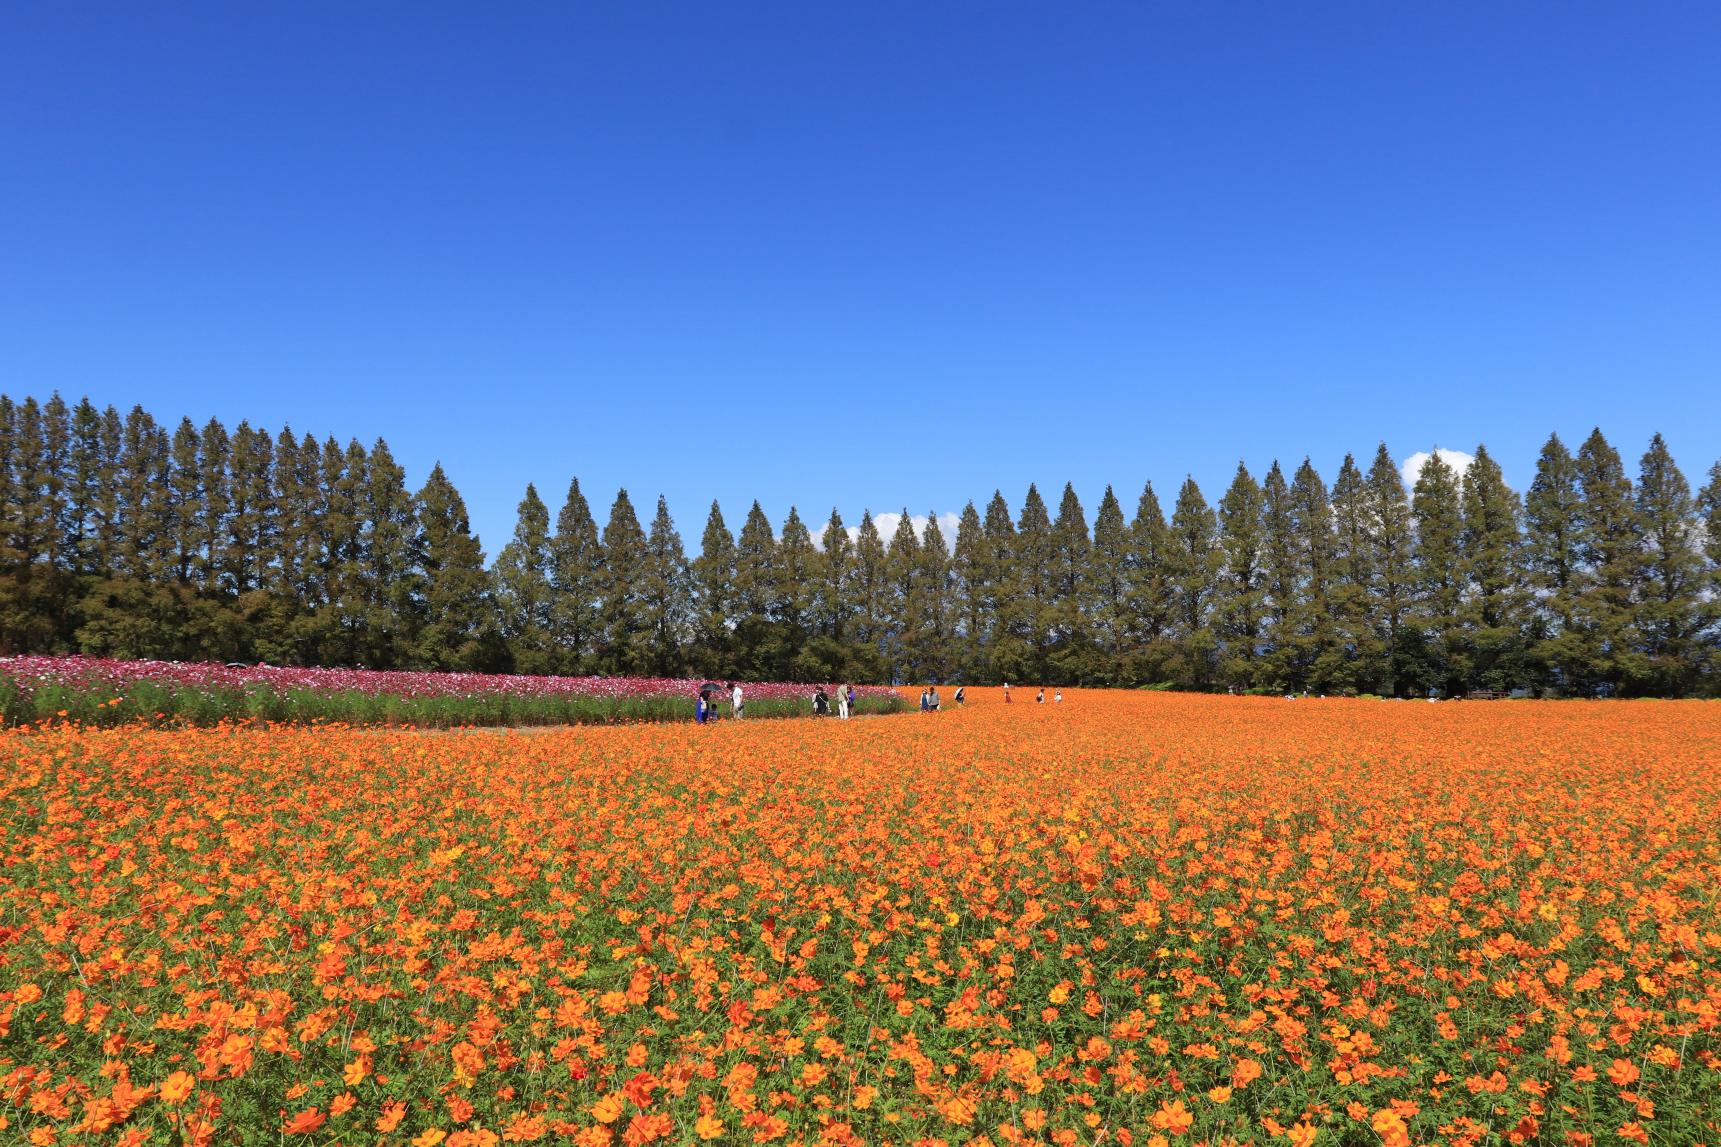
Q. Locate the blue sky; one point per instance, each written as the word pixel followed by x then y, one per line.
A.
pixel 883 256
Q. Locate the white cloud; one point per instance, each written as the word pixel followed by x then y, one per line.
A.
pixel 886 524
pixel 1413 465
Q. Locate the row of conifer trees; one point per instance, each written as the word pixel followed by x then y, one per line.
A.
pixel 124 538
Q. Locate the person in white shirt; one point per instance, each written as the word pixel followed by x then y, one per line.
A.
pixel 843 702
pixel 735 700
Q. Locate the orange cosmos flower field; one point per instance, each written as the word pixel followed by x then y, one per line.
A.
pixel 1130 918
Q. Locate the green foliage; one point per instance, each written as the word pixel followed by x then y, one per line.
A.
pixel 119 537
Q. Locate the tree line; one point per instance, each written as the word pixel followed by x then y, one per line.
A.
pixel 123 538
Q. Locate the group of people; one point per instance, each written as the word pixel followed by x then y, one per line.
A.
pixel 709 698
pixel 1040 697
pixel 929 699
pixel 845 702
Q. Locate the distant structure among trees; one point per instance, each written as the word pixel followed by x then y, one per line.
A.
pixel 123 538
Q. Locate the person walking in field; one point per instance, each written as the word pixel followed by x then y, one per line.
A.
pixel 1040 697
pixel 961 695
pixel 1006 692
pixel 1058 697
pixel 736 701
pixel 849 694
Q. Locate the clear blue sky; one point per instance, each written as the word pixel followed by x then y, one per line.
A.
pixel 898 254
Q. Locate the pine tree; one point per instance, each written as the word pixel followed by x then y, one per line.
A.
pixel 1439 577
pixel 83 517
pixel 1009 654
pixel 1393 546
pixel 667 595
pixel 577 579
pixel 1709 524
pixel 143 511
pixel 1669 618
pixel 626 637
pixel 903 602
pixel 1281 577
pixel 525 577
pixel 31 515
pixel 1610 546
pixel 1319 658
pixel 870 591
pixel 937 608
pixel 457 632
pixel 307 501
pixel 1553 520
pixel 391 558
pixel 1494 612
pixel 249 528
pixel 968 601
pixel 756 639
pixel 52 479
pixel 285 564
pixel 110 441
pixel 1108 584
pixel 833 603
pixel 1355 608
pixel 186 486
pixel 795 560
pixel 794 566
pixel 1240 600
pixel 346 477
pixel 714 581
pixel 1152 593
pixel 1196 563
pixel 1068 608
pixel 1030 610
pixel 212 512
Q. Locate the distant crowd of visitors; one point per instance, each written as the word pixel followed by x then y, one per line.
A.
pixel 711 695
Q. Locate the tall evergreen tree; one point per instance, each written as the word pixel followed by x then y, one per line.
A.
pixel 1280 585
pixel 1152 596
pixel 143 512
pixel 1108 584
pixel 391 557
pixel 714 583
pixel 1239 602
pixel 1393 543
pixel 936 636
pixel 577 584
pixel 1009 654
pixel 525 579
pixel 1440 578
pixel 667 596
pixel 457 633
pixel 1029 609
pixel 968 601
pixel 250 527
pixel 793 577
pixel 1069 608
pixel 1196 563
pixel 1610 546
pixel 1355 610
pixel 903 602
pixel 758 646
pixel 1494 610
pixel 1669 619
pixel 186 487
pixel 1319 660
pixel 83 492
pixel 871 591
pixel 214 489
pixel 1553 519
pixel 1709 523
pixel 625 647
pixel 833 601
